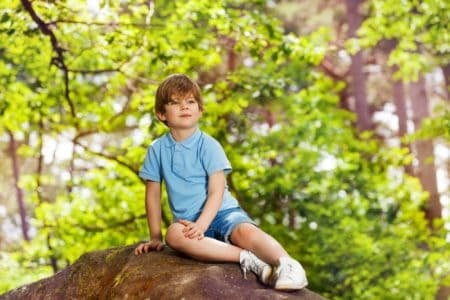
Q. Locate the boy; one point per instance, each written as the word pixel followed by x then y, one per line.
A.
pixel 208 223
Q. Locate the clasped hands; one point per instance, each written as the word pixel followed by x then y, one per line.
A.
pixel 191 230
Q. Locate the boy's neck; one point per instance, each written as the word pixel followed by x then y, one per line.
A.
pixel 180 135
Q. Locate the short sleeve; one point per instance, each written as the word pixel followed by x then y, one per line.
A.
pixel 214 158
pixel 151 168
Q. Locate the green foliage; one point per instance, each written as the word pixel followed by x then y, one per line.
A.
pixel 345 200
pixel 437 126
pixel 337 201
pixel 420 29
pixel 20 270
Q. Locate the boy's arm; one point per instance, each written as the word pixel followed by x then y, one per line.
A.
pixel 153 210
pixel 216 188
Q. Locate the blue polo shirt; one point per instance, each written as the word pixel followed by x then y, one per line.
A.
pixel 184 167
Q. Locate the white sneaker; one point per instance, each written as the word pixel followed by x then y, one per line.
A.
pixel 289 275
pixel 250 262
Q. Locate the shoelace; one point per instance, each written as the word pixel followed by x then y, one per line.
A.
pixel 247 263
pixel 245 268
pixel 286 268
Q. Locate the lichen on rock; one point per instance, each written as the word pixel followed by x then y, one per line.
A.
pixel 117 273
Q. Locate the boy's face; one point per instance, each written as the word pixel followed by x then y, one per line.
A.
pixel 181 112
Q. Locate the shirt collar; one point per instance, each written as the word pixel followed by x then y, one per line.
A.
pixel 169 141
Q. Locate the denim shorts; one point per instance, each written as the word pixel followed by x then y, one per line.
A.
pixel 225 222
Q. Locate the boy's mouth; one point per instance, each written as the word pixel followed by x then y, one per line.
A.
pixel 185 115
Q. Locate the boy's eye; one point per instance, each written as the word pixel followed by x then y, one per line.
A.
pixel 178 102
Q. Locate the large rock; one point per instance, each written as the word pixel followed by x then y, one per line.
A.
pixel 118 274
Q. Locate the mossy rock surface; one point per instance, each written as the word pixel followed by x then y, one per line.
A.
pixel 118 274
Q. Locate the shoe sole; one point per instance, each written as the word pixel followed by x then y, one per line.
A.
pixel 289 287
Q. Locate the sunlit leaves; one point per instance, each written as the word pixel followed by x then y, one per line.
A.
pixel 420 28
pixel 339 202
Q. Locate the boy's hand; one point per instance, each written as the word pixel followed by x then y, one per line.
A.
pixel 154 244
pixel 192 230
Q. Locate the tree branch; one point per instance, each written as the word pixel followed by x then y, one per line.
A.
pixel 327 67
pixel 109 157
pixel 100 24
pixel 122 223
pixel 98 71
pixel 58 61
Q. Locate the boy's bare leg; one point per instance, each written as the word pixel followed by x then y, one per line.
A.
pixel 288 274
pixel 250 237
pixel 205 249
pixel 245 236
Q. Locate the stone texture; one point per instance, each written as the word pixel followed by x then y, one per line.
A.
pixel 118 274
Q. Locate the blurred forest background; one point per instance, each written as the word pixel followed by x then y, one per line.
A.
pixel 334 114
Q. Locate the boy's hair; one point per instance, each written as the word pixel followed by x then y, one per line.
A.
pixel 179 85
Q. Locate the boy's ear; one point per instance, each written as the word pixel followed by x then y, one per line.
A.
pixel 161 116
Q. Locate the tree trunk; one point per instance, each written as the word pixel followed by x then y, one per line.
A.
pixel 232 57
pixel 446 71
pixel 444 291
pixel 426 170
pixel 19 191
pixel 400 101
pixel 398 92
pixel 358 85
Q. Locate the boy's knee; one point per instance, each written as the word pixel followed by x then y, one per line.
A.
pixel 243 232
pixel 174 235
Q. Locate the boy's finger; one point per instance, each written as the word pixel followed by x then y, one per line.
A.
pixel 194 234
pixel 187 229
pixel 184 222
